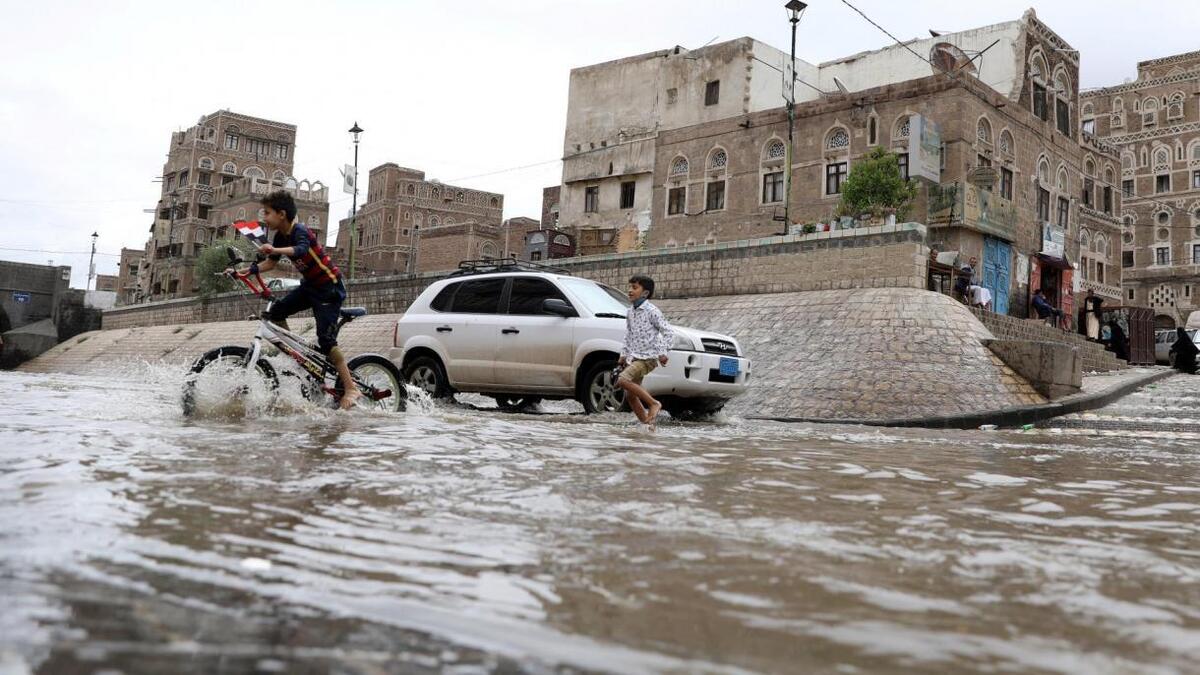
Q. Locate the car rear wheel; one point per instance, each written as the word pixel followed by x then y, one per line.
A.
pixel 599 391
pixel 427 374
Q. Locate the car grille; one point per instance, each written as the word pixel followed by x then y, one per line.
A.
pixel 718 346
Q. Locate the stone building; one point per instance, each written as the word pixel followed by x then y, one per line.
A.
pixel 197 204
pixel 550 206
pixel 515 235
pixel 130 276
pixel 437 224
pixel 1153 123
pixel 615 110
pixel 1014 112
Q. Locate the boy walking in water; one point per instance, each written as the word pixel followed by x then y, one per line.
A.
pixel 648 338
pixel 320 289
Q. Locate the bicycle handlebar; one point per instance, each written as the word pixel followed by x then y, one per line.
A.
pixel 253 282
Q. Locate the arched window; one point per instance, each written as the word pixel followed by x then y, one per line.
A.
pixel 838 139
pixel 1062 180
pixel 434 221
pixel 229 168
pixel 679 167
pixel 774 150
pixel 1162 159
pixel 718 160
pixel 772 171
pixel 200 237
pixel 254 172
pixel 983 130
pixel 1118 104
pixel 206 163
pixel 278 176
pixel 436 193
pixel 1175 106
pixel 902 127
pixel 241 214
pixel 495 203
pixel 1006 142
pixel 448 221
pixel 410 190
pixel 1043 172
pixel 487 250
pixel 1088 110
pixel 1089 167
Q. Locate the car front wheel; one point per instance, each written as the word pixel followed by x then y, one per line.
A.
pixel 599 391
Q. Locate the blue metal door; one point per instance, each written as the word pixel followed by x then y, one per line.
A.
pixel 997 263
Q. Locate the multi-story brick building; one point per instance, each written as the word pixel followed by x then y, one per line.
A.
pixel 1154 124
pixel 214 174
pixel 129 276
pixel 406 216
pixel 550 206
pixel 1014 111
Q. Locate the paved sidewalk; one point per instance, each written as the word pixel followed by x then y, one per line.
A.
pixel 1098 390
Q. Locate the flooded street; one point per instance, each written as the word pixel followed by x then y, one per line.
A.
pixel 462 540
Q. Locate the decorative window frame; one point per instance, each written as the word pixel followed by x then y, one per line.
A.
pixel 983 131
pixel 1005 142
pixel 902 129
pixel 205 163
pixel 229 169
pixel 769 165
pixel 676 176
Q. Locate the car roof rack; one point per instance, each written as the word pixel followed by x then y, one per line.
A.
pixel 496 265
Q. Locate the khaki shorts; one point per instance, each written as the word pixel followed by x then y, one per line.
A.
pixel 638 369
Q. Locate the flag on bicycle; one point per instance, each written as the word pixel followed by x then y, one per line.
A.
pixel 252 230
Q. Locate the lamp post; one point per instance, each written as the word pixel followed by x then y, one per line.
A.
pixel 355 131
pixel 795 8
pixel 92 261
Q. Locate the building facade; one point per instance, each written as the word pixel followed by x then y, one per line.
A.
pixel 1153 123
pixel 130 275
pixel 409 224
pixel 197 203
pixel 1009 180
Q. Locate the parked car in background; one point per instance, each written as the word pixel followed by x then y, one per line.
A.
pixel 1163 339
pixel 282 285
pixel 524 334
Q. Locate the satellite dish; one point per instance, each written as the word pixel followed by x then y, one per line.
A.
pixel 841 87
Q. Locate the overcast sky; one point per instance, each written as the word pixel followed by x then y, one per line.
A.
pixel 472 92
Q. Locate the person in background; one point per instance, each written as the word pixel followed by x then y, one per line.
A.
pixel 1044 309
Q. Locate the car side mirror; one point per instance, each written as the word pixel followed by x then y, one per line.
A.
pixel 559 307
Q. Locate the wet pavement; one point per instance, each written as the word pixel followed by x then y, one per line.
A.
pixel 451 539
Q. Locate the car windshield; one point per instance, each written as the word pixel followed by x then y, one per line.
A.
pixel 597 298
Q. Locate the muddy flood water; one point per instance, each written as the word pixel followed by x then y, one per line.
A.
pixel 454 539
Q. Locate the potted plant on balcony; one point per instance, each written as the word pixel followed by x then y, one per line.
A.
pixel 875 187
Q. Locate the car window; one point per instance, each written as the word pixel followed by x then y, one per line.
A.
pixel 598 298
pixel 481 296
pixel 528 293
pixel 441 302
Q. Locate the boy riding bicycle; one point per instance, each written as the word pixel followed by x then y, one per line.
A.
pixel 320 289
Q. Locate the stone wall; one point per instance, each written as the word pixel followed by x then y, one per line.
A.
pixel 1093 354
pixel 875 257
pixel 874 354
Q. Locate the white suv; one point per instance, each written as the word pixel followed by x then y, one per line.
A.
pixel 523 335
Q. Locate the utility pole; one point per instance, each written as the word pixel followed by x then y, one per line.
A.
pixel 355 130
pixel 795 8
pixel 92 262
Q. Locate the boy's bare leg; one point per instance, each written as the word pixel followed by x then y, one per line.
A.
pixel 653 407
pixel 635 404
pixel 350 392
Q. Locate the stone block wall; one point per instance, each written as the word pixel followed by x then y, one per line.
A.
pixel 874 257
pixel 1095 357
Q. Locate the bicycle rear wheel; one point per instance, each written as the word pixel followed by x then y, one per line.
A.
pixel 221 375
pixel 380 383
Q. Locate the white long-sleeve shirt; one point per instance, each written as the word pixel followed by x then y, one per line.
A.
pixel 647 333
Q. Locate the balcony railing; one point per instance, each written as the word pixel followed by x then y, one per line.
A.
pixel 1103 290
pixel 961 203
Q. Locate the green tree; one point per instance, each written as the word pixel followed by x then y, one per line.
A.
pixel 213 260
pixel 875 185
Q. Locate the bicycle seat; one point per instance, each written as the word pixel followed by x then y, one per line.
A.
pixel 352 312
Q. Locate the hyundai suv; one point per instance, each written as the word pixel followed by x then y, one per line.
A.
pixel 522 334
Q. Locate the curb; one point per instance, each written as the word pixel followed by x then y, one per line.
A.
pixel 1007 417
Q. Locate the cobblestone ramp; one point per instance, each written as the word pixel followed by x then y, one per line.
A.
pixel 1168 409
pixel 873 354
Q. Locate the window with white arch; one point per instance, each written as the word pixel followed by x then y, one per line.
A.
pixel 718 160
pixel 838 139
pixel 903 128
pixel 229 168
pixel 679 167
pixel 206 163
pixel 775 150
pixel 254 172
pixel 983 130
pixel 772 172
pixel 1006 142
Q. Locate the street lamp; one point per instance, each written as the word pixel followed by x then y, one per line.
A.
pixel 795 8
pixel 355 131
pixel 92 261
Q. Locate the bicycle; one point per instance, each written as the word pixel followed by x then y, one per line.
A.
pixel 377 378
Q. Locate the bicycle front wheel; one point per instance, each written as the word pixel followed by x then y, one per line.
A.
pixel 221 376
pixel 380 383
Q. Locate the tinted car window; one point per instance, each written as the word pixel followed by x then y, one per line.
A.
pixel 441 302
pixel 481 296
pixel 528 293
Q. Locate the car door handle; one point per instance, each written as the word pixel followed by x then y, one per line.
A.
pixel 507 331
pixel 444 329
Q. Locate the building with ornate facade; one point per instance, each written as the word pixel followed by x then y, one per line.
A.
pixel 409 224
pixel 215 173
pixel 1153 122
pixel 987 122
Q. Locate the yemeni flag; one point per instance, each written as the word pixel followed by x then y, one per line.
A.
pixel 253 230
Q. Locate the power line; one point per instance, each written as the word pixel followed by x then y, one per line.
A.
pixel 42 250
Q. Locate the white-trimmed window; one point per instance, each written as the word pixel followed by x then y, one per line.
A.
pixel 772 169
pixel 205 163
pixel 983 131
pixel 229 168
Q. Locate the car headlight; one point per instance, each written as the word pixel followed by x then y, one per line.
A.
pixel 683 343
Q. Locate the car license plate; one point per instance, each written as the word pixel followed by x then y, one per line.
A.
pixel 729 366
